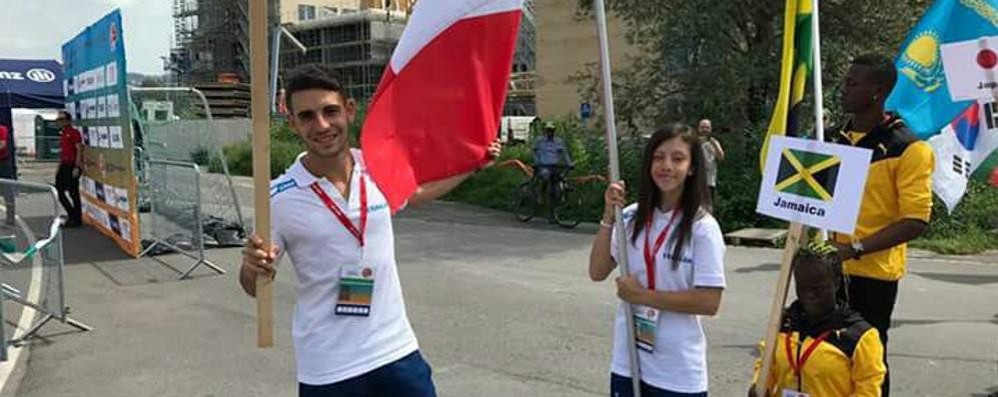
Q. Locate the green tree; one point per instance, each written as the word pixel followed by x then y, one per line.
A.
pixel 721 58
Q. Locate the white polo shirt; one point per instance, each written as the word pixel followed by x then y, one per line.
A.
pixel 679 361
pixel 330 348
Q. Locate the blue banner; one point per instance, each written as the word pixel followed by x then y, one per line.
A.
pixel 921 95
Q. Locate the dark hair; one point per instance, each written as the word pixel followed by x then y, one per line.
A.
pixel 819 255
pixel 649 196
pixel 882 70
pixel 311 76
pixel 65 114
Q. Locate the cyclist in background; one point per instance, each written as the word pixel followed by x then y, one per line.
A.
pixel 551 160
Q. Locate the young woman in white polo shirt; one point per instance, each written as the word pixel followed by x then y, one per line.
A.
pixel 676 262
pixel 351 333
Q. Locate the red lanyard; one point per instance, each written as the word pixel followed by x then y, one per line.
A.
pixel 341 216
pixel 798 364
pixel 649 254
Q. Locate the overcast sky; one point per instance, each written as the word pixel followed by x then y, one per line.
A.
pixel 37 29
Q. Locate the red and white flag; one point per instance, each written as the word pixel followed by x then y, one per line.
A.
pixel 439 102
pixel 970 68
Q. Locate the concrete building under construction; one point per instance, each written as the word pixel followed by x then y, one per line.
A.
pixel 356 38
pixel 211 40
pixel 211 37
pixel 521 98
pixel 356 45
pixel 293 11
pixel 359 45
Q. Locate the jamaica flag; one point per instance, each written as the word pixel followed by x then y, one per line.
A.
pixel 808 174
pixel 795 71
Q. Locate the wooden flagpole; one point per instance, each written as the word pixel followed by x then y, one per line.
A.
pixel 797 231
pixel 776 309
pixel 260 113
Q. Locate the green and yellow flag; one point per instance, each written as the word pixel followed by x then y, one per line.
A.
pixel 808 174
pixel 795 71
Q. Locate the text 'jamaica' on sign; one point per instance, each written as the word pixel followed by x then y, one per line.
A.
pixel 814 183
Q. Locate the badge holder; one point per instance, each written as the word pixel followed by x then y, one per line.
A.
pixel 356 291
pixel 645 324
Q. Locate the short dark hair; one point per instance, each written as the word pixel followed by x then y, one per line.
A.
pixel 819 256
pixel 311 76
pixel 64 114
pixel 882 69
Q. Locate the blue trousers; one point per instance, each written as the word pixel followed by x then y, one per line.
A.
pixel 621 387
pixel 410 376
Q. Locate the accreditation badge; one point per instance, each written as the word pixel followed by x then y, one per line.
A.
pixel 356 291
pixel 645 325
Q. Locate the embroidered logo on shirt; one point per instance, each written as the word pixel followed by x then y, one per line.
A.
pixel 280 187
pixel 669 256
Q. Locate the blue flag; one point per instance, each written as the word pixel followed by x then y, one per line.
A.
pixel 921 95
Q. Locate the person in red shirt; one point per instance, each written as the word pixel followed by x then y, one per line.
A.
pixel 7 172
pixel 67 178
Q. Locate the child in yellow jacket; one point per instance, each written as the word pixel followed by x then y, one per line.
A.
pixel 824 348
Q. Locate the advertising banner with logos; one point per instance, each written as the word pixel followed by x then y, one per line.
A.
pixel 97 96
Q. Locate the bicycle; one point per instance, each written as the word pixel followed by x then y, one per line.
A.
pixel 565 203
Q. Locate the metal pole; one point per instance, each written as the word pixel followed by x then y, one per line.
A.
pixel 275 63
pixel 3 333
pixel 293 40
pixel 819 98
pixel 198 226
pixel 819 95
pixel 61 260
pixel 153 196
pixel 611 143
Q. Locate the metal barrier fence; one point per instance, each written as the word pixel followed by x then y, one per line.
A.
pixel 191 141
pixel 192 135
pixel 32 270
pixel 175 217
pixel 3 333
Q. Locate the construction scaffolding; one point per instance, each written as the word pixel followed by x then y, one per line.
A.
pixel 211 40
pixel 357 46
pixel 357 41
pixel 525 57
pixel 396 5
pixel 520 99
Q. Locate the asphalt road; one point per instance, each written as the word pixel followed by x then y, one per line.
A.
pixel 500 309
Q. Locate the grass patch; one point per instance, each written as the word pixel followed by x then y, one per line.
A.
pixel 971 243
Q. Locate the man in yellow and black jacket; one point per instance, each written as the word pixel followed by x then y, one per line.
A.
pixel 824 348
pixel 897 199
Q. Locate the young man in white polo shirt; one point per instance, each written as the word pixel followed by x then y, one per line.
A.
pixel 350 330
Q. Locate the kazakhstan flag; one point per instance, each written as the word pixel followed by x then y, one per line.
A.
pixel 921 95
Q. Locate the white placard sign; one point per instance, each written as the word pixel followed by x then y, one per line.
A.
pixel 814 183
